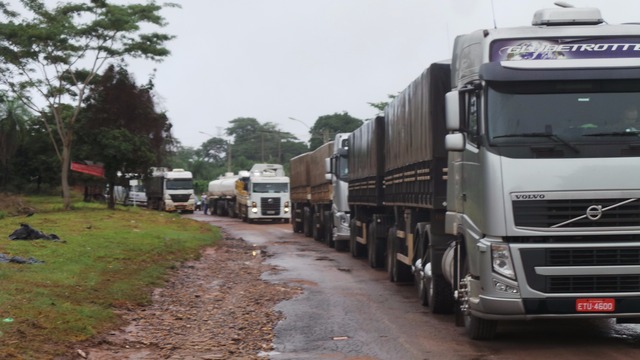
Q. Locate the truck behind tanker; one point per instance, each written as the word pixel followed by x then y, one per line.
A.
pixel 319 193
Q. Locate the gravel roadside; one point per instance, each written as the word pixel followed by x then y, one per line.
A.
pixel 215 308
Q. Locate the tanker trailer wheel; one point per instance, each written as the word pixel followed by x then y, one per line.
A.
pixel 476 328
pixel 375 247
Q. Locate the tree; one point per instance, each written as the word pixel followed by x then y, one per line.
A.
pixel 327 126
pixel 381 105
pixel 13 126
pixel 52 55
pixel 121 128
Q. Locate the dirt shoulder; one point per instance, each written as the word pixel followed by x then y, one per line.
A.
pixel 215 308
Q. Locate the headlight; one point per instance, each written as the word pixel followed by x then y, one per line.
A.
pixel 254 210
pixel 501 260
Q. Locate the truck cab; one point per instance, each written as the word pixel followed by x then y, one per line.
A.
pixel 264 194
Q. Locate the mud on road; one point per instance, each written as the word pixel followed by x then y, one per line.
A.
pixel 215 308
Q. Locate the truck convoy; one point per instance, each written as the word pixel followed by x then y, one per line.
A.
pixel 319 193
pixel 263 194
pixel 221 195
pixel 170 190
pixel 501 181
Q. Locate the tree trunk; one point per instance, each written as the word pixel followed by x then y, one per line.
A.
pixel 64 178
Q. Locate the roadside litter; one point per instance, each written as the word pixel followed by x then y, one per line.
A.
pixel 26 232
pixel 18 260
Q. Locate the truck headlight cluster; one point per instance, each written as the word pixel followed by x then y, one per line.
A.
pixel 286 207
pixel 501 260
pixel 254 207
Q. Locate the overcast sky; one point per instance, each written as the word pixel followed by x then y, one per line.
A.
pixel 278 59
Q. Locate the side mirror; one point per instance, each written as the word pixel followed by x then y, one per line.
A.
pixel 327 165
pixel 452 110
pixel 454 142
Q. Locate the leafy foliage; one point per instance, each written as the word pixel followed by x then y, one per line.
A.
pixel 51 56
pixel 327 126
pixel 121 128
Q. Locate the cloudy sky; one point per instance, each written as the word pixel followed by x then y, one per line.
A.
pixel 279 59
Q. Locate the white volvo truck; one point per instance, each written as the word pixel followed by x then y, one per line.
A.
pixel 505 182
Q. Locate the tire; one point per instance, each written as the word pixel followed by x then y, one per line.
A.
pixel 375 247
pixel 352 238
pixel 476 328
pixel 307 226
pixel 397 271
pixel 316 228
pixel 327 231
pixel 391 254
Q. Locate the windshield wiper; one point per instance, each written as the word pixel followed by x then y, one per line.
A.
pixel 615 133
pixel 541 134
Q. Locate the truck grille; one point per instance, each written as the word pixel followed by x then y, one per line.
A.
pixel 547 213
pixel 533 258
pixel 593 284
pixel 180 197
pixel 270 206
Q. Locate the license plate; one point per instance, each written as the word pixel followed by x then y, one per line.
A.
pixel 596 305
pixel 270 212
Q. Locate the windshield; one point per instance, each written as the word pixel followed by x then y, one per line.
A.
pixel 270 187
pixel 567 114
pixel 179 184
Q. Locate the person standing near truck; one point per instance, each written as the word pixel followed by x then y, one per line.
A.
pixel 205 205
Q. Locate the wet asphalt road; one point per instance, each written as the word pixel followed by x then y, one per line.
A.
pixel 350 311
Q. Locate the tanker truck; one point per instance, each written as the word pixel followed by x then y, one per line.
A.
pixel 221 195
pixel 500 181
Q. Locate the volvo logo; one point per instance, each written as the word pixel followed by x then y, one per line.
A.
pixel 594 212
pixel 270 201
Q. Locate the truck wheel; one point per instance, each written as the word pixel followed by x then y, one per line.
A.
pixel 232 213
pixel 295 224
pixel 307 222
pixel 375 247
pixel 391 254
pixel 327 230
pixel 439 294
pixel 352 238
pixel 477 328
pixel 316 228
pixel 397 271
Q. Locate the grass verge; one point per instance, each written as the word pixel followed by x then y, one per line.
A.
pixel 108 259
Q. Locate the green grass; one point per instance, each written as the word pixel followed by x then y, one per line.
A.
pixel 110 259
